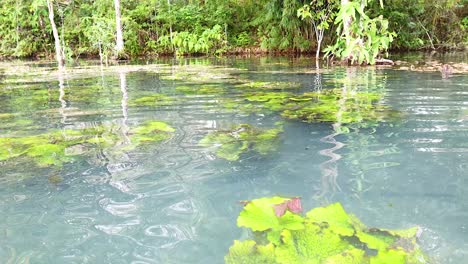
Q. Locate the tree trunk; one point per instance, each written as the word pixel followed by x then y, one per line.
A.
pixel 317 53
pixel 119 46
pixel 58 48
pixel 346 30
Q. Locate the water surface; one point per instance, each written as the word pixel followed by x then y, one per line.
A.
pixel 174 201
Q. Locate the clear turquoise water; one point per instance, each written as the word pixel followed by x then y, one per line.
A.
pixel 176 202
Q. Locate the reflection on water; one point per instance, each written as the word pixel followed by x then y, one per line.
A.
pixel 172 200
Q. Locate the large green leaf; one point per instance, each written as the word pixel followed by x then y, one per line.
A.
pixel 311 245
pixel 259 215
pixel 248 252
pixel 336 218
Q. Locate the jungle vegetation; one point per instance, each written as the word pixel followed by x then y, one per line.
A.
pixel 70 29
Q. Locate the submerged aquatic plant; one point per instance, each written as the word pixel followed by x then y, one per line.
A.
pixel 195 89
pixel 269 86
pixel 324 235
pixel 230 144
pixel 321 106
pixel 151 131
pixel 58 147
pixel 154 100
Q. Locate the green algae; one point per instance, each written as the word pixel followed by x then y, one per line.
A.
pixel 332 105
pixel 58 147
pixel 231 144
pixel 259 86
pixel 154 100
pixel 325 235
pixel 55 179
pixel 6 115
pixel 151 131
pixel 200 90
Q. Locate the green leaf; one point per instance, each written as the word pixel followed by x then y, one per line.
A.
pixel 335 216
pixel 389 257
pixel 259 214
pixel 311 245
pixel 248 252
pixel 349 256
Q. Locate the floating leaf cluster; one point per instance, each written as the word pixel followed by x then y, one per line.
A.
pixel 324 235
pixel 58 147
pixel 230 144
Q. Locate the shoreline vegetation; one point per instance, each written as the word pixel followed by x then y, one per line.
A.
pixel 357 32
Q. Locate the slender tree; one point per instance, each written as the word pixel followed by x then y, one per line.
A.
pixel 58 47
pixel 119 47
pixel 321 14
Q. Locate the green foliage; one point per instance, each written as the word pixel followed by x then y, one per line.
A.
pixel 210 41
pixel 321 14
pixel 230 144
pixel 87 27
pixel 426 24
pixel 325 235
pixel 360 38
pixel 280 28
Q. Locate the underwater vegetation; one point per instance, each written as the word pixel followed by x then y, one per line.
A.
pixel 330 105
pixel 259 86
pixel 323 235
pixel 205 89
pixel 58 147
pixel 154 100
pixel 231 144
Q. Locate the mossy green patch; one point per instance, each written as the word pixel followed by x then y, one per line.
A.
pixel 268 86
pixel 196 89
pixel 151 131
pixel 6 115
pixel 58 147
pixel 154 100
pixel 230 144
pixel 331 105
pixel 325 235
pixel 248 252
pixel 48 154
